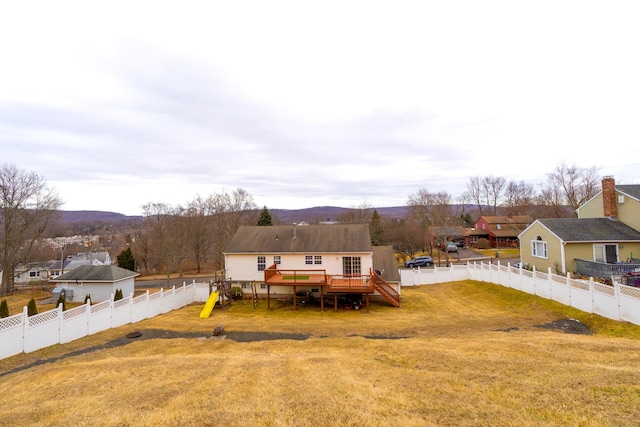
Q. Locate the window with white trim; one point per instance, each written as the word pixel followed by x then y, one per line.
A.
pixel 539 248
pixel 351 266
pixel 262 263
pixel 313 259
pixel 277 259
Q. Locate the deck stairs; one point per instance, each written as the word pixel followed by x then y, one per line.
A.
pixel 384 289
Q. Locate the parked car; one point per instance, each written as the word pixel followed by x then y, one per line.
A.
pixel 452 247
pixel 420 261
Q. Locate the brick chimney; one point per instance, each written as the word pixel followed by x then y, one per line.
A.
pixel 609 197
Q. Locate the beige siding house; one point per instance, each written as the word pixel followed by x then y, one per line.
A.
pixel 604 239
pixel 557 243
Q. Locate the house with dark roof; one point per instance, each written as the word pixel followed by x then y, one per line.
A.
pixel 603 240
pixel 98 281
pixel 500 231
pixel 323 260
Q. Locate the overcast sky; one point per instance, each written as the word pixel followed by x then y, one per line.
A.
pixel 117 104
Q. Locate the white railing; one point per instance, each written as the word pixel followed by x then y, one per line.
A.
pixel 617 301
pixel 23 333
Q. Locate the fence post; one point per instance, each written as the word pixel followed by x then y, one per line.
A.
pixel 131 307
pixel 25 326
pixel 88 316
pixel 616 290
pixel 60 318
pixel 551 288
pixel 592 292
pixel 111 311
pixel 147 303
pixel 535 280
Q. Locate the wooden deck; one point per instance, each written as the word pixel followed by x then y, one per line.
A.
pixel 347 284
pixel 274 276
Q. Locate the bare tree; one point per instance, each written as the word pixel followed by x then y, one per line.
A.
pixel 493 187
pixel 519 198
pixel 156 235
pixel 357 215
pixel 485 192
pixel 475 193
pixel 419 216
pixel 199 218
pixel 404 235
pixel 27 208
pixel 572 185
pixel 230 211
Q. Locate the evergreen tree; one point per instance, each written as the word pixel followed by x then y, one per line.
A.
pixel 4 309
pixel 32 309
pixel 375 229
pixel 118 295
pixel 126 260
pixel 87 297
pixel 61 301
pixel 265 218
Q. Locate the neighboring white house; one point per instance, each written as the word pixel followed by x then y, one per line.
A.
pixel 323 254
pixel 33 273
pixel 74 261
pixel 98 281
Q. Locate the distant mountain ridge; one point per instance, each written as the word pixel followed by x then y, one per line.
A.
pixel 286 216
pixel 69 217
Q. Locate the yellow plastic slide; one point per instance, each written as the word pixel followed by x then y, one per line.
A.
pixel 208 306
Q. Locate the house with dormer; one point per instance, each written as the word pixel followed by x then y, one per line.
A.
pixel 500 231
pixel 603 240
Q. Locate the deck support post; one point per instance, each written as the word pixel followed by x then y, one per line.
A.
pixel 322 298
pixel 335 302
pixel 268 297
pixel 367 299
pixel 294 297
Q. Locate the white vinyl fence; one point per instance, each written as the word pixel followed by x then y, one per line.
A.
pixel 23 333
pixel 618 302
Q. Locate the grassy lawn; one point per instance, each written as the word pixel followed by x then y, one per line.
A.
pixel 455 354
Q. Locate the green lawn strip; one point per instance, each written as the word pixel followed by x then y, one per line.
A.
pixel 296 277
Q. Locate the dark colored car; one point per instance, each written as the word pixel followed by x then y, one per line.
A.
pixel 420 261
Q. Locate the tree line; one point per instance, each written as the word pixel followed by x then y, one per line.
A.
pixel 197 232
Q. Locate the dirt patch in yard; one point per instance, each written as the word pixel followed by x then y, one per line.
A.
pixel 569 326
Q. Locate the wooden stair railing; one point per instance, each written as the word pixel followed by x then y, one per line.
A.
pixel 385 289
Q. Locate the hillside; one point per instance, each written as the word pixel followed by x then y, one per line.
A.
pixel 284 216
pixel 70 217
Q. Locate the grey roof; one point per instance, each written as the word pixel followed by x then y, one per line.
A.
pixel 630 190
pixel 384 260
pixel 301 239
pixel 590 230
pixel 96 273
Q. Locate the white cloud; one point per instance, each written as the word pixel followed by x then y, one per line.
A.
pixel 118 104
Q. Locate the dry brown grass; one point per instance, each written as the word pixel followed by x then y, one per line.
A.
pixel 452 364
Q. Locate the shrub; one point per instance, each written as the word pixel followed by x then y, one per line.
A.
pixel 118 295
pixel 235 292
pixel 32 309
pixel 61 300
pixel 87 297
pixel 483 244
pixel 4 309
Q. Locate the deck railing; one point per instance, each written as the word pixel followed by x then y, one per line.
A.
pixel 350 281
pixel 604 270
